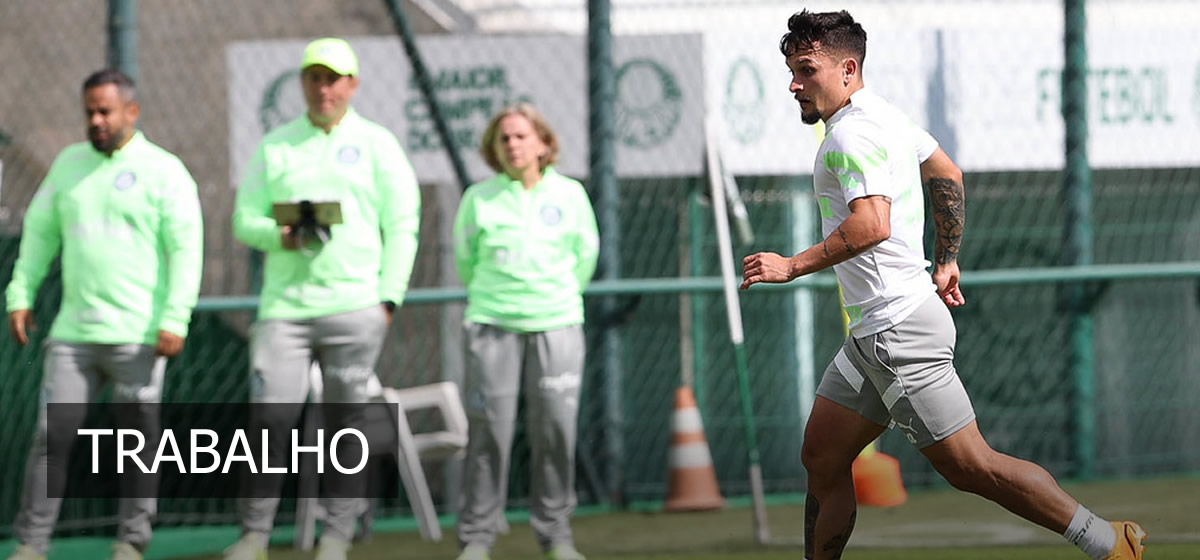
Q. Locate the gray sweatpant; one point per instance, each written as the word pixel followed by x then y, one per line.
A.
pixel 547 368
pixel 346 346
pixel 75 373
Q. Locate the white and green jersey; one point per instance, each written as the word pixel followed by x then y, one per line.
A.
pixel 872 148
pixel 525 255
pixel 369 257
pixel 130 230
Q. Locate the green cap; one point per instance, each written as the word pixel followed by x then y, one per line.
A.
pixel 332 53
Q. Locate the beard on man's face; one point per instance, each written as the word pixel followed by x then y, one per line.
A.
pixel 98 142
pixel 811 117
pixel 106 141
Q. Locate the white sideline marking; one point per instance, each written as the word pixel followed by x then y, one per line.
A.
pixel 947 534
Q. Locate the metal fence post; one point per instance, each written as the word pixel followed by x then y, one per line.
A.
pixel 603 183
pixel 122 37
pixel 1077 233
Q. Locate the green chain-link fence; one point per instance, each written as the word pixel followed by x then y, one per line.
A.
pixel 213 76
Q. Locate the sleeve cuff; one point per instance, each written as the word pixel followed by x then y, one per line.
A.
pixel 396 299
pixel 174 326
pixel 17 296
pixel 13 304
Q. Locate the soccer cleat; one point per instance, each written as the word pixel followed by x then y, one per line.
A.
pixel 252 546
pixel 125 551
pixel 1129 541
pixel 474 551
pixel 26 552
pixel 332 548
pixel 563 552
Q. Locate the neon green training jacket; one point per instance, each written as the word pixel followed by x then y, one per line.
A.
pixel 369 257
pixel 526 256
pixel 132 240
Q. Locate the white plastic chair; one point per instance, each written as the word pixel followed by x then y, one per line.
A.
pixel 411 449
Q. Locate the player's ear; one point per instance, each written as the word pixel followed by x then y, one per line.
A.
pixel 849 69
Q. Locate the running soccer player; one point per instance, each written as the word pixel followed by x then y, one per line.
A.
pixel 896 367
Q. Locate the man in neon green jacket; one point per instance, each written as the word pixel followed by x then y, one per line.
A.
pixel 525 244
pixel 328 296
pixel 126 217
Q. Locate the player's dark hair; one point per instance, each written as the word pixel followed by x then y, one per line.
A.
pixel 833 31
pixel 112 76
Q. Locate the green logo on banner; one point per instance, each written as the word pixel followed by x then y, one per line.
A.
pixel 649 103
pixel 281 104
pixel 744 105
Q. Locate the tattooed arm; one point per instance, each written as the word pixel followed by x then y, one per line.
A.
pixel 869 224
pixel 943 179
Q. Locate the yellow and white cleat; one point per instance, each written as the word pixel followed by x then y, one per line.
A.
pixel 1129 541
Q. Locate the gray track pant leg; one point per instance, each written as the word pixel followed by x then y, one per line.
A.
pixel 75 373
pixel 546 368
pixel 346 346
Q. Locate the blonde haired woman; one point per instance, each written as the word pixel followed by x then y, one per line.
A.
pixel 525 246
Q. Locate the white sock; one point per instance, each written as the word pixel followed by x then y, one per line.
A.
pixel 1093 535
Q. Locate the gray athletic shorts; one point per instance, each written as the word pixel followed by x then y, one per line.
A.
pixel 904 377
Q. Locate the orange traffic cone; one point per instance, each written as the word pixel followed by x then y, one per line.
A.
pixel 877 479
pixel 692 485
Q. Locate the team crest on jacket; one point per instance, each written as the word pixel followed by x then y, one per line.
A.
pixel 349 154
pixel 125 180
pixel 551 215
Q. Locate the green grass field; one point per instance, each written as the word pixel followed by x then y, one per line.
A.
pixel 933 525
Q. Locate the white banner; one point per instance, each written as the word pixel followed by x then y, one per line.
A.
pixel 990 96
pixel 659 124
pixel 1143 102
